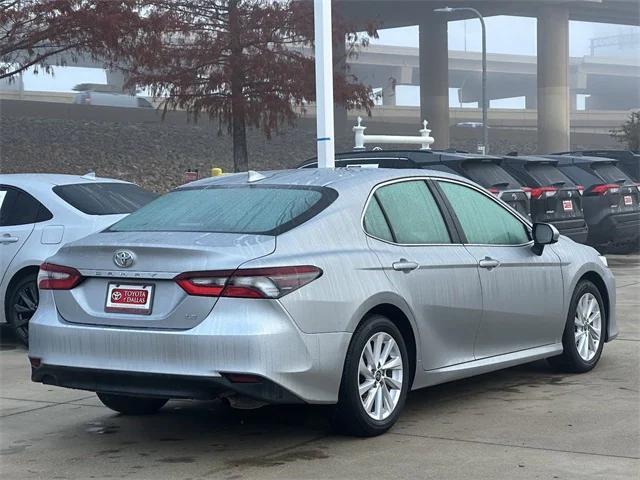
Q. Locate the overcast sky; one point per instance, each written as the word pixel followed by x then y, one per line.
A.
pixel 504 35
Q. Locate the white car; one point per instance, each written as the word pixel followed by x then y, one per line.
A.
pixel 41 212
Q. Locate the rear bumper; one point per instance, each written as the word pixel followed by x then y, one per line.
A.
pixel 255 337
pixel 158 385
pixel 619 228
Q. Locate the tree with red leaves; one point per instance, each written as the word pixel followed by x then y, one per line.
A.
pixel 36 34
pixel 242 62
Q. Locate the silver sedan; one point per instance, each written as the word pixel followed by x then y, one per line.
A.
pixel 347 286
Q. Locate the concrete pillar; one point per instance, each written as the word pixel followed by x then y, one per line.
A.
pixel 340 121
pixel 401 76
pixel 389 93
pixel 116 79
pixel 553 79
pixel 434 78
pixel 531 102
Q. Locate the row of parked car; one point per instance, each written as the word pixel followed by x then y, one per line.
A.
pixel 591 197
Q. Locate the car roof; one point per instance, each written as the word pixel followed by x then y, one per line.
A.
pixel 580 159
pixel 530 159
pixel 41 184
pixel 425 155
pixel 339 178
pixel 50 179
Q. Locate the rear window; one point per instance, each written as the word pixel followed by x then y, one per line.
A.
pixel 251 209
pixel 610 173
pixel 548 174
pixel 489 174
pixel 104 198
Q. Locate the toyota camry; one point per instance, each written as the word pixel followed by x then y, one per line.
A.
pixel 345 286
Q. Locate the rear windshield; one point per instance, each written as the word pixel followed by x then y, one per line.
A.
pixel 610 173
pixel 254 209
pixel 489 174
pixel 547 175
pixel 104 198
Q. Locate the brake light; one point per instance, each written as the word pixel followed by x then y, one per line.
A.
pixel 603 189
pixel 58 277
pixel 271 282
pixel 494 191
pixel 546 192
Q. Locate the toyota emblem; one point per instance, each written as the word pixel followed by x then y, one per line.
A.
pixel 123 258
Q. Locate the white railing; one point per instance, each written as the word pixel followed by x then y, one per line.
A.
pixel 424 139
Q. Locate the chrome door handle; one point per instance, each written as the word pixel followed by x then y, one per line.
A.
pixel 6 238
pixel 488 263
pixel 404 265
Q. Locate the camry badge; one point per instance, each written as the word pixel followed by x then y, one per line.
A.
pixel 123 258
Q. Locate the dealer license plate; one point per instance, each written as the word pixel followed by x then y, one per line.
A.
pixel 129 298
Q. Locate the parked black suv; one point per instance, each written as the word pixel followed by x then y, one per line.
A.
pixel 610 200
pixel 628 161
pixel 555 198
pixel 482 169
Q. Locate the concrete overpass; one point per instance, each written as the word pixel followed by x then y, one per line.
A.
pixel 550 82
pixel 552 66
pixel 611 83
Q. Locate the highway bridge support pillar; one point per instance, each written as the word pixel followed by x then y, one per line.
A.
pixel 434 78
pixel 553 79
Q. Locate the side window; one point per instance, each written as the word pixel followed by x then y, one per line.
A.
pixel 20 208
pixel 483 220
pixel 374 222
pixel 412 213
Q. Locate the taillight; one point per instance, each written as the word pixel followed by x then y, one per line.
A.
pixel 58 277
pixel 603 189
pixel 494 191
pixel 272 282
pixel 540 192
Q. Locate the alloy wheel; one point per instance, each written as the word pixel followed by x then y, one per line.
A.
pixel 588 326
pixel 380 376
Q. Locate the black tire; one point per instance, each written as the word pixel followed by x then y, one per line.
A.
pixel 21 304
pixel 128 405
pixel 350 415
pixel 570 360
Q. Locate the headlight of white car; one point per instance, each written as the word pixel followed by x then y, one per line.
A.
pixel 603 259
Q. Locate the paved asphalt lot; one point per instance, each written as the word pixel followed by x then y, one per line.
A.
pixel 525 422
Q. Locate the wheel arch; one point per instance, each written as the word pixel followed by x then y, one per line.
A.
pixel 403 321
pixel 598 281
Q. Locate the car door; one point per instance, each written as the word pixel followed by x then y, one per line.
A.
pixel 522 292
pixel 436 275
pixel 17 220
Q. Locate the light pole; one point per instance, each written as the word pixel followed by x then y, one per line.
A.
pixel 485 106
pixel 324 83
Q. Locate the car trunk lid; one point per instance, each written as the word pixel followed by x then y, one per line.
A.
pixel 151 262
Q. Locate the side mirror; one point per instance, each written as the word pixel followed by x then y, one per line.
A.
pixel 543 234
